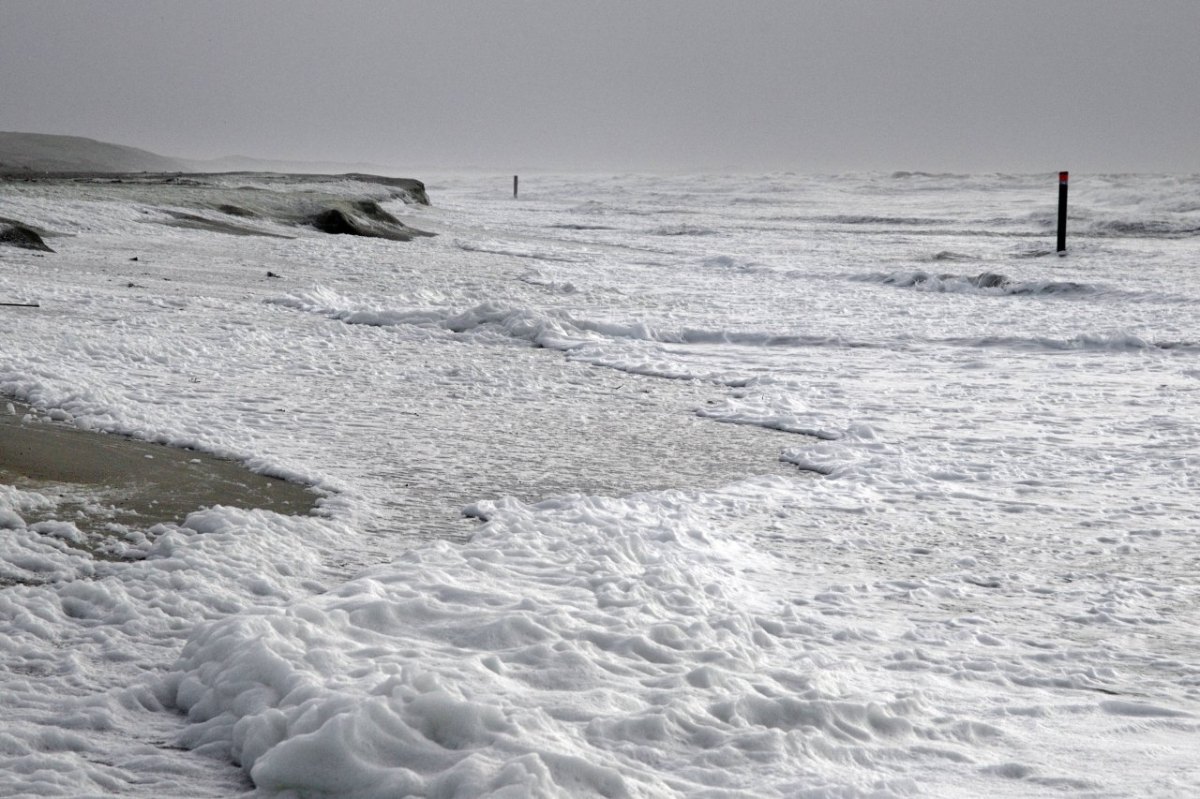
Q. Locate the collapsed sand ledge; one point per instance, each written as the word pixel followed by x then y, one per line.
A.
pixel 15 234
pixel 128 482
pixel 232 202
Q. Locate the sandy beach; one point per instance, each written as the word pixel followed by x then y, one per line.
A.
pixel 130 481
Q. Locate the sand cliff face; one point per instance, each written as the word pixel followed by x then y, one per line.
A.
pixel 14 234
pixel 240 204
pixel 223 202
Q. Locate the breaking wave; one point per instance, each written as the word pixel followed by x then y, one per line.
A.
pixel 774 412
pixel 1144 228
pixel 554 330
pixel 683 230
pixel 982 283
pixel 494 248
pixel 950 255
pixel 576 226
pixel 632 347
pixel 731 263
pixel 1117 341
pixel 867 219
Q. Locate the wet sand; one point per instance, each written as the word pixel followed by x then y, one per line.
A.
pixel 113 479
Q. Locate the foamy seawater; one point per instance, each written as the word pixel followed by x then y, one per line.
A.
pixel 633 486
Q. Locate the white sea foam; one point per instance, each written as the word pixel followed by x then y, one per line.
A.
pixel 603 647
pixel 781 412
pixel 960 565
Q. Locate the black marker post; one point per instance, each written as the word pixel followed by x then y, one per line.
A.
pixel 1062 213
pixel 514 187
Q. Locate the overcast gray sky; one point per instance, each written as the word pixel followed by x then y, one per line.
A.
pixel 938 85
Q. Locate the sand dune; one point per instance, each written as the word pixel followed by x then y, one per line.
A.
pixel 25 153
pixel 41 152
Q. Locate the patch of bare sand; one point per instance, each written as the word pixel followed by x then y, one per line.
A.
pixel 105 479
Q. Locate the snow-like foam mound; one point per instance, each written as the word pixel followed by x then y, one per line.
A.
pixel 583 647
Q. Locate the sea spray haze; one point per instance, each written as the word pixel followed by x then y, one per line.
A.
pixel 635 486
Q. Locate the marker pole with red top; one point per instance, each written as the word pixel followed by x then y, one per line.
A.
pixel 1062 213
